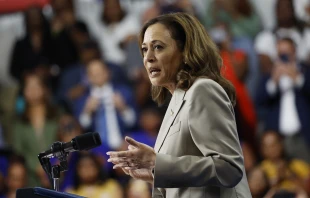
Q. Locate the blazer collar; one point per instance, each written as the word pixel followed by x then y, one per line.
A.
pixel 173 109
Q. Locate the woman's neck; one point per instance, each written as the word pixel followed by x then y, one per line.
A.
pixel 171 87
pixel 37 115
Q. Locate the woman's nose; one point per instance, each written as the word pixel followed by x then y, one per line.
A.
pixel 150 56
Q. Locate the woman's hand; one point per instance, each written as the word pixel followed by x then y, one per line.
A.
pixel 143 174
pixel 139 156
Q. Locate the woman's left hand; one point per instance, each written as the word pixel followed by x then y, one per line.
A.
pixel 141 156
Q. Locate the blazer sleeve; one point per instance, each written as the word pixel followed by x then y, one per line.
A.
pixel 212 127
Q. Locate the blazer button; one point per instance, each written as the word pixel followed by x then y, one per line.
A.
pixel 171 112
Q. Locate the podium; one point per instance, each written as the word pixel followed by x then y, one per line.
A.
pixel 39 192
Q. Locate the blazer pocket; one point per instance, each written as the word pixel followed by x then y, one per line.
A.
pixel 174 128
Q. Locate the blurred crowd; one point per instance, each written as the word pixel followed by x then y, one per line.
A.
pixel 69 67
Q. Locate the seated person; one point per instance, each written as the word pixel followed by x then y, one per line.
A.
pixel 283 173
pixel 138 189
pixel 16 176
pixel 90 179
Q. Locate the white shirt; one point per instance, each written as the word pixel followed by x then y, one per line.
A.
pixel 110 37
pixel 265 42
pixel 289 122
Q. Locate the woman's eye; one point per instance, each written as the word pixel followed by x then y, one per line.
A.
pixel 143 49
pixel 158 47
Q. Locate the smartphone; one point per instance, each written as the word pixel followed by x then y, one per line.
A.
pixel 284 58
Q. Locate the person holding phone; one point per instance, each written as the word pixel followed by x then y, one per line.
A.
pixel 285 95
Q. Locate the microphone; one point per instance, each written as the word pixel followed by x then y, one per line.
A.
pixel 79 143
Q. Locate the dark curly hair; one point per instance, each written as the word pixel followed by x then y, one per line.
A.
pixel 201 56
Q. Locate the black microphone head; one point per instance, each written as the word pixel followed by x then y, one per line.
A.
pixel 87 141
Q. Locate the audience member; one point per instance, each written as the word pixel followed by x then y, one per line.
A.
pixel 237 14
pixel 79 34
pixel 243 25
pixel 283 173
pixel 35 130
pixel 63 48
pixel 138 189
pixel 91 180
pixel 106 107
pixel 266 11
pixel 16 176
pixel 114 30
pixel 165 6
pixel 287 26
pixel 31 53
pixel 285 96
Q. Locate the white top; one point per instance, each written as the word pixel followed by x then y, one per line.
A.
pixel 110 36
pixel 265 42
pixel 267 12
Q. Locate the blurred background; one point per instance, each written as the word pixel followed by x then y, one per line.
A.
pixel 69 67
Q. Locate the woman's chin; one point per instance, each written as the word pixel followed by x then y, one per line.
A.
pixel 155 82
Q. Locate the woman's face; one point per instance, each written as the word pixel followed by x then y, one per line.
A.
pixel 33 91
pixel 113 9
pixel 87 170
pixel 271 146
pixel 16 177
pixel 161 56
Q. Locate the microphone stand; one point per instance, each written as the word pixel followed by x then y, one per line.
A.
pixel 53 172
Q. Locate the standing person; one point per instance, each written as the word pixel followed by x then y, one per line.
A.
pixel 31 53
pixel 284 95
pixel 105 106
pixel 197 151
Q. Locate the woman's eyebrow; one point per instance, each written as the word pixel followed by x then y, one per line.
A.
pixel 153 41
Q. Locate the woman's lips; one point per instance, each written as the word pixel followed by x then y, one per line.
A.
pixel 154 72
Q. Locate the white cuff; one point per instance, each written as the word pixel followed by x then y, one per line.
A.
pixel 85 120
pixel 271 87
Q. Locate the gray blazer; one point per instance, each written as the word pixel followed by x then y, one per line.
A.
pixel 198 150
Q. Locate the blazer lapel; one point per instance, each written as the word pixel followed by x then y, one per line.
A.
pixel 172 111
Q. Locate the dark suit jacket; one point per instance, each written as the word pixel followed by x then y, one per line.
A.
pixel 198 151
